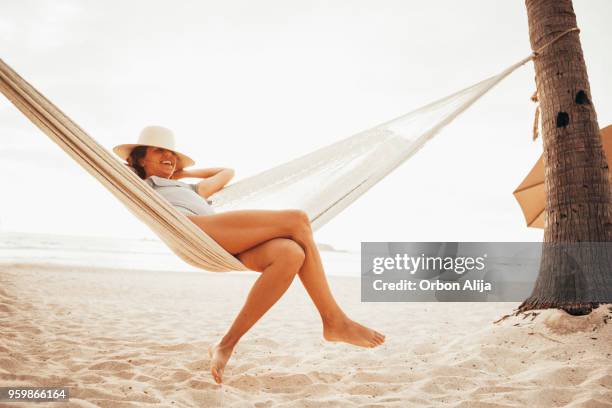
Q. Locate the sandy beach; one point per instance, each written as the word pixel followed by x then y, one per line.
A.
pixel 120 338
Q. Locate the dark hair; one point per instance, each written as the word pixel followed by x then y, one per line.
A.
pixel 138 153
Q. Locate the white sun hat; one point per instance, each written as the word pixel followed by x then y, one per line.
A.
pixel 157 136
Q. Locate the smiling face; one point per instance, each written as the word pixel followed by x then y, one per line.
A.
pixel 159 162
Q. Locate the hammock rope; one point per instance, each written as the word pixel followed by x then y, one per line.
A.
pixel 537 52
pixel 534 97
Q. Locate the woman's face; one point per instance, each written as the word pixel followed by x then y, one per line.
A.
pixel 159 162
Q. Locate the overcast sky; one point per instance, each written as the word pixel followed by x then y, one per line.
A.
pixel 249 85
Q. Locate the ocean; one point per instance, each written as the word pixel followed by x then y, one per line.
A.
pixel 134 254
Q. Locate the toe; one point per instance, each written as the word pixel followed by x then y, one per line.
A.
pixel 216 375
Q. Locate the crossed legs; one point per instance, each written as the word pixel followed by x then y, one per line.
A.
pixel 279 244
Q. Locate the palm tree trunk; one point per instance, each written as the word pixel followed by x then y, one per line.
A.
pixel 578 202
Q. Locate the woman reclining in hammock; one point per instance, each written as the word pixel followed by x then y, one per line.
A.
pixel 279 244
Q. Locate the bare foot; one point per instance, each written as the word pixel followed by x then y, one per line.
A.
pixel 219 355
pixel 351 332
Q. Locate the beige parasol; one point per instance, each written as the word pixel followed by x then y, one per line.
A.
pixel 530 193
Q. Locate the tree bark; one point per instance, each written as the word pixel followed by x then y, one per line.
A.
pixel 576 266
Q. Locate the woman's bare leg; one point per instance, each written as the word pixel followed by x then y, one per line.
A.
pixel 279 260
pixel 238 231
pixel 336 325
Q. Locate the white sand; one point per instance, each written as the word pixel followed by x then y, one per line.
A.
pixel 137 338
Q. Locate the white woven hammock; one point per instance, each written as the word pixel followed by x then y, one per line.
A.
pixel 321 183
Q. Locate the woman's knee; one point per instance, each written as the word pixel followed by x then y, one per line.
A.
pixel 275 251
pixel 300 225
pixel 290 253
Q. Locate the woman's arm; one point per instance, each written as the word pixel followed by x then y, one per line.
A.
pixel 197 173
pixel 214 179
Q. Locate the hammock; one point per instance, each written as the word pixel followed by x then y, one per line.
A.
pixel 321 183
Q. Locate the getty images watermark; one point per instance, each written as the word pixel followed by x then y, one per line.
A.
pixel 448 271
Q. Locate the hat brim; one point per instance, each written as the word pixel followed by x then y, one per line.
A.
pixel 124 151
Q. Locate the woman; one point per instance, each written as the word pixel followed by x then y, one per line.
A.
pixel 278 244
